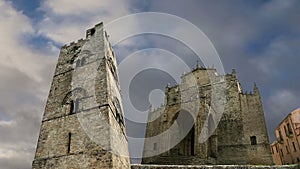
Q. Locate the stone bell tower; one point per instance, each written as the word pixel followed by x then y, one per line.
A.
pixel 83 124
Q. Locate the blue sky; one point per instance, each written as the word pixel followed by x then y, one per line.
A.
pixel 259 38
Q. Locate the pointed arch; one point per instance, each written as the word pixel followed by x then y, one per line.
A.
pixel 74 94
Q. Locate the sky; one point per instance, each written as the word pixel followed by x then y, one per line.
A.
pixel 258 38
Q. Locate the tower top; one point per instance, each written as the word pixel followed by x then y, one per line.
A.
pixel 90 32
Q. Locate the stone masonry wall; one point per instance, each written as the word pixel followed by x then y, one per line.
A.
pixel 143 166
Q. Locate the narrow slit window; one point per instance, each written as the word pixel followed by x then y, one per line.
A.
pixel 294 146
pixel 286 133
pixel 69 143
pixel 72 107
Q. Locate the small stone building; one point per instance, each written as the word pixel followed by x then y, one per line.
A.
pixel 238 135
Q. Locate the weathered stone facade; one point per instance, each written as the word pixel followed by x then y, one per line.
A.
pixel 286 149
pixel 83 124
pixel 240 136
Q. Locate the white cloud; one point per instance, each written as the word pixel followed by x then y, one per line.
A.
pixel 66 20
pixel 14 51
pixel 25 77
pixel 79 8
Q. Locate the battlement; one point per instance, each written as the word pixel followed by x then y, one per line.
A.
pixel 199 68
pixel 255 92
pixel 74 43
pixel 89 33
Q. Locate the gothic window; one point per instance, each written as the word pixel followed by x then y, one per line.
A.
pixel 72 107
pixel 69 142
pixel 83 61
pixel 72 100
pixel 253 140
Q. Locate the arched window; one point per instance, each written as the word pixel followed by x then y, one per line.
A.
pixel 83 61
pixel 72 100
pixel 72 107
